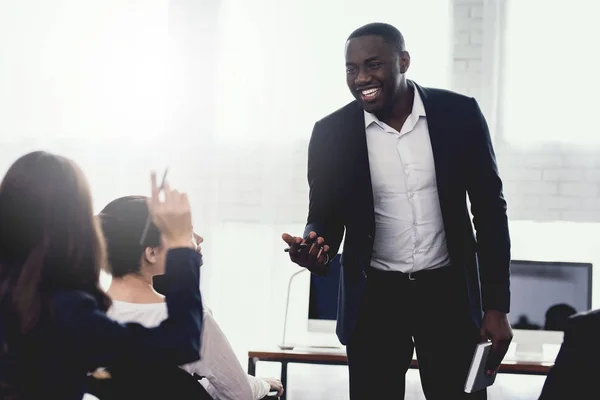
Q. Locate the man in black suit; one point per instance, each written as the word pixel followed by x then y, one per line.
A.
pixel 576 371
pixel 392 170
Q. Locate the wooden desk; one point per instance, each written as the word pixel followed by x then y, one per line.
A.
pixel 333 357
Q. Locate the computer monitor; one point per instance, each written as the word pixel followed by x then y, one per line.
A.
pixel 543 296
pixel 323 299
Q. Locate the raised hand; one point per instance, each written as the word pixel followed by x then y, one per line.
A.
pixel 173 216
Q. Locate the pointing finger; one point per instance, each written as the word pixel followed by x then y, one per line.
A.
pixel 289 239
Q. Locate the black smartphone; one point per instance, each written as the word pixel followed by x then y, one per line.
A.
pixel 149 219
pixel 302 246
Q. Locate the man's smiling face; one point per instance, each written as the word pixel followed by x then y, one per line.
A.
pixel 374 71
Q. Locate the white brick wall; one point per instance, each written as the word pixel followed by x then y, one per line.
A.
pixel 546 184
pixel 467 53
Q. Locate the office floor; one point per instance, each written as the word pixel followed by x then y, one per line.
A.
pixel 321 382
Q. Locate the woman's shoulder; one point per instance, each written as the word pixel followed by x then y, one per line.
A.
pixel 68 305
pixel 73 298
pixel 147 314
pixel 123 307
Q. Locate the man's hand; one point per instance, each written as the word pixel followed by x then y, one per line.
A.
pixel 313 254
pixel 496 328
pixel 275 385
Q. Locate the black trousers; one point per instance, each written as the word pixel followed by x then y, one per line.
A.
pixel 429 313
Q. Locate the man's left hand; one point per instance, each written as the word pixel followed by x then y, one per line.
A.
pixel 496 328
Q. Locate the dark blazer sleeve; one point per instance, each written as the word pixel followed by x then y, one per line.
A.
pixel 324 196
pixel 575 371
pixel 488 207
pixel 99 341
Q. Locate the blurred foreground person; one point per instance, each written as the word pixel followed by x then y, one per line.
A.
pixel 575 371
pixel 53 326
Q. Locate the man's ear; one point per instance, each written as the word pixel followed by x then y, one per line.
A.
pixel 404 61
pixel 150 254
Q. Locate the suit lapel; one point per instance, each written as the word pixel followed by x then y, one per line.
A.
pixel 358 164
pixel 439 141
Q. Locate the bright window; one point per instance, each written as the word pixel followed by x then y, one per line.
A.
pixel 551 75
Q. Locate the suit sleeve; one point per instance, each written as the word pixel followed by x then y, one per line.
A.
pixel 488 207
pixel 99 341
pixel 324 197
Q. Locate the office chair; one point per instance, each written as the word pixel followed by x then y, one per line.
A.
pixel 153 383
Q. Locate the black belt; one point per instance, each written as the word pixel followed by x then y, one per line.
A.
pixel 425 274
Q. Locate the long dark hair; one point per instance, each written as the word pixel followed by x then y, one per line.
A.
pixel 49 238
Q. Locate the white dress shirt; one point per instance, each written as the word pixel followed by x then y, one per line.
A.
pixel 409 231
pixel 225 379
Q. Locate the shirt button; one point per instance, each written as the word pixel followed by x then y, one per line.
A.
pixel 406 172
pixel 411 195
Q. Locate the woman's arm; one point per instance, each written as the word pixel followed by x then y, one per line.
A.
pixel 260 387
pixel 219 365
pixel 89 335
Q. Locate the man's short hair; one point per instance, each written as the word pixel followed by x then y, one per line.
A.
pixel 123 221
pixel 389 33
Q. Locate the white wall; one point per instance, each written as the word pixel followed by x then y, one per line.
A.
pixel 88 80
pixel 552 182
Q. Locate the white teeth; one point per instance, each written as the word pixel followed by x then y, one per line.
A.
pixel 370 92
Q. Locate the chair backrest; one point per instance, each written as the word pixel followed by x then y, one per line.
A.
pixel 155 383
pixel 271 396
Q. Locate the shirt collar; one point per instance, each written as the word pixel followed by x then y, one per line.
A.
pixel 418 110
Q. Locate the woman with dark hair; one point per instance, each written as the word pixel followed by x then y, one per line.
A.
pixel 53 326
pixel 133 267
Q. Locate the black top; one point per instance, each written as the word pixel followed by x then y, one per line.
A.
pixel 576 371
pixel 54 360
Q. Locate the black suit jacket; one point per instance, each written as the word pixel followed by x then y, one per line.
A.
pixel 576 370
pixel 341 199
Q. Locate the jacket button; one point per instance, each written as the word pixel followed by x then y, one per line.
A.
pixel 364 274
pixel 370 236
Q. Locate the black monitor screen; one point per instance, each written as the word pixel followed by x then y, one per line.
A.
pixel 545 294
pixel 323 298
